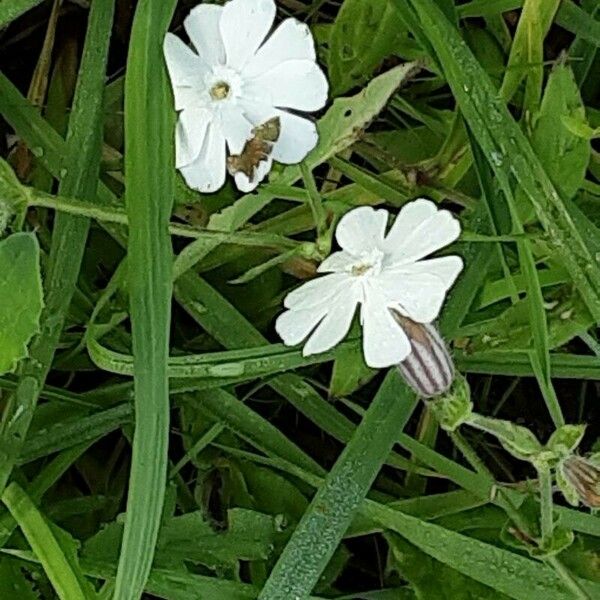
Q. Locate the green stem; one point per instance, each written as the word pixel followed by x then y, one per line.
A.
pixel 115 214
pixel 315 202
pixel 567 578
pixel 502 499
pixel 469 453
pixel 546 505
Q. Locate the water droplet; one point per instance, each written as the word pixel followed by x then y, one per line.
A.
pixel 63 173
pixel 38 151
pixel 496 158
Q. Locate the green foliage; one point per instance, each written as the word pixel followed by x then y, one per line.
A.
pixel 364 33
pixel 21 290
pixel 186 453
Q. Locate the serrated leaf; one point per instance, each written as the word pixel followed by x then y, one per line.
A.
pixel 364 33
pixel 21 297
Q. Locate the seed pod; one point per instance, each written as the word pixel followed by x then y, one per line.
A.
pixel 428 369
pixel 583 477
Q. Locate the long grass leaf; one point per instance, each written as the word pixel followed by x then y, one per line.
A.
pixel 325 521
pixel 149 172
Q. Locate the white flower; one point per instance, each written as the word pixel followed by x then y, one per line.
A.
pixel 235 82
pixel 381 273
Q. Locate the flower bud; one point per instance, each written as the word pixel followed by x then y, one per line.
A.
pixel 579 480
pixel 428 369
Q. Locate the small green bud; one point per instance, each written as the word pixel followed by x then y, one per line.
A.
pixel 455 407
pixel 565 440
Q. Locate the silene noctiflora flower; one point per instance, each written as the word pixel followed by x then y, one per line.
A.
pixel 399 293
pixel 235 92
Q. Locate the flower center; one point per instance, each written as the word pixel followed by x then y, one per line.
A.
pixel 369 263
pixel 220 90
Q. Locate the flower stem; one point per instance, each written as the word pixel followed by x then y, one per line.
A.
pixel 502 499
pixel 469 453
pixel 546 505
pixel 316 204
pixel 568 578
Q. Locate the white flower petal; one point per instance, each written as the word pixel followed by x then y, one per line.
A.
pixel 244 184
pixel 361 229
pixel 292 40
pixel 185 69
pixel 447 268
pixel 189 135
pixel 316 291
pixel 419 296
pixel 244 25
pixel 297 84
pixel 419 230
pixel 293 326
pixel 384 342
pixel 336 324
pixel 202 27
pixel 298 136
pixel 337 262
pixel 236 128
pixel 207 173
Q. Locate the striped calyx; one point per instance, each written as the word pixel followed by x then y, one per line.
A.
pixel 428 369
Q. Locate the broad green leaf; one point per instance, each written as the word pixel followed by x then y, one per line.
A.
pixel 13 583
pixel 21 297
pixel 564 155
pixel 363 34
pixel 506 572
pixel 190 538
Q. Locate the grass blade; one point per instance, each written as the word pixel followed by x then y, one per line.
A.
pixel 331 510
pixel 44 543
pixel 12 9
pixel 149 192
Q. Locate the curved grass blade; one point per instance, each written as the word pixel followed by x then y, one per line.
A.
pixel 82 155
pixel 149 190
pixel 323 525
